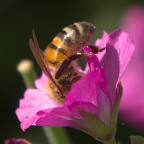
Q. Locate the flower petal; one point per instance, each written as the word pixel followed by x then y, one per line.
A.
pixel 57 117
pixel 33 102
pixel 104 106
pixel 92 61
pixel 16 141
pixel 131 108
pixel 133 22
pixel 110 63
pixel 78 107
pixel 119 51
pixel 84 90
pixel 122 42
pixel 41 83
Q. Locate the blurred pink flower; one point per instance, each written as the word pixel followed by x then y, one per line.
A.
pixel 16 141
pixel 132 105
pixel 93 96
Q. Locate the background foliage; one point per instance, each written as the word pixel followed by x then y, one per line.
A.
pixel 17 18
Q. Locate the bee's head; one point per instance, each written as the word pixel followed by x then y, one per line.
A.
pixel 86 29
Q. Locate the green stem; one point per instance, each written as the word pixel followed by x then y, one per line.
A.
pixel 56 135
pixel 53 135
pixel 29 78
pixel 111 141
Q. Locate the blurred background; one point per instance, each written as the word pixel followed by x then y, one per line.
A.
pixel 17 18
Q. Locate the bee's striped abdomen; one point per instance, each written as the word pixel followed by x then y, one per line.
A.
pixel 62 45
pixel 67 43
pixel 55 52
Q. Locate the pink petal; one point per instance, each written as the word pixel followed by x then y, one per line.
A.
pixel 122 42
pixel 36 98
pixel 16 141
pixel 84 90
pixel 41 83
pixel 65 116
pixel 119 50
pixel 124 48
pixel 110 63
pixel 78 107
pixel 131 108
pixel 104 106
pixel 57 117
pixel 133 22
pixel 90 93
pixel 33 102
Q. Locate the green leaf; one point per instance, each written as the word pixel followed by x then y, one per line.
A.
pixel 137 139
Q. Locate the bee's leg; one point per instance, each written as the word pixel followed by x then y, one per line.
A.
pixel 95 49
pixel 75 79
pixel 62 68
pixel 68 77
pixel 66 64
pixel 78 55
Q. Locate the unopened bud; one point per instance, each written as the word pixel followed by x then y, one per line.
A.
pixel 26 69
pixel 24 66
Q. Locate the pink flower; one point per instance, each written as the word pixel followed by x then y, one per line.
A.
pixel 90 103
pixel 132 105
pixel 16 141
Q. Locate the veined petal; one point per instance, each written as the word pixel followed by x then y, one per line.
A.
pixel 36 98
pixel 78 107
pixel 27 117
pixel 84 90
pixel 104 106
pixel 34 101
pixel 121 41
pixel 110 63
pixel 41 83
pixel 57 117
pixel 124 46
pixel 119 50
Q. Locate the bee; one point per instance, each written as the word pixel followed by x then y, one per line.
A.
pixel 59 55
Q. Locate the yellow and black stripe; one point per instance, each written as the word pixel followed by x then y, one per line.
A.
pixel 57 51
pixel 67 43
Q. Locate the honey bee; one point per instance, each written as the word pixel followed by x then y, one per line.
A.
pixel 59 55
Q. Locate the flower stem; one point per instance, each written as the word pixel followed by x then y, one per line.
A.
pixel 56 135
pixel 111 141
pixel 53 135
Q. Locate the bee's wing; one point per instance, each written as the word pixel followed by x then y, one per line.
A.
pixel 62 68
pixel 40 58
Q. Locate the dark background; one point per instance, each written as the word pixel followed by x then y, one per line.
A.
pixel 17 18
